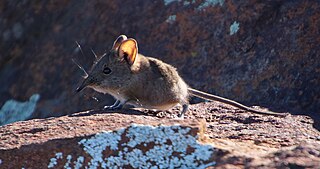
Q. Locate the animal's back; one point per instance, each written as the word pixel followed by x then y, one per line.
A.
pixel 157 85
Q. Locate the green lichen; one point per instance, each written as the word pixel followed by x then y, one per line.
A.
pixel 13 110
pixel 140 146
pixel 167 2
pixel 234 28
pixel 171 19
pixel 170 145
pixel 208 3
pixel 185 2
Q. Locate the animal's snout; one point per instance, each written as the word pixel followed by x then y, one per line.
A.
pixel 83 85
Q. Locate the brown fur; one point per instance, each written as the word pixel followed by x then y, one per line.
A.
pixel 144 81
pixel 148 82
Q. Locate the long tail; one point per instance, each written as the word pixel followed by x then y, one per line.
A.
pixel 212 97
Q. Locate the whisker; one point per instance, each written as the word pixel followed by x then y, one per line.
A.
pixel 100 57
pixel 80 48
pixel 94 55
pixel 103 55
pixel 73 60
pixel 84 71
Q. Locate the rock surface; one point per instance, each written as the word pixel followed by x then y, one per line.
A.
pixel 256 52
pixel 99 141
pixel 227 138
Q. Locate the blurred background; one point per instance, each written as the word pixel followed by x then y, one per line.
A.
pixel 262 53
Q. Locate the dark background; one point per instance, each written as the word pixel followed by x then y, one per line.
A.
pixel 271 61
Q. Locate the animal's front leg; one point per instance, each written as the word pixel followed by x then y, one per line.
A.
pixel 184 110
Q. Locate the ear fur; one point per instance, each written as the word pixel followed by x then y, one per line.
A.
pixel 118 41
pixel 128 50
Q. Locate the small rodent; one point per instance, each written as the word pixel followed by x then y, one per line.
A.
pixel 146 82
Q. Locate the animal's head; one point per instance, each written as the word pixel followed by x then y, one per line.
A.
pixel 113 71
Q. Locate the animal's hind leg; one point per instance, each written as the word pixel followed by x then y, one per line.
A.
pixel 184 110
pixel 116 105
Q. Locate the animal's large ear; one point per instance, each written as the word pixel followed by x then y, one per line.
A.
pixel 128 50
pixel 118 41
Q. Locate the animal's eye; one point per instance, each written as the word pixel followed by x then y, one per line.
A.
pixel 106 70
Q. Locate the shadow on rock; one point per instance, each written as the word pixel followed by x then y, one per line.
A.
pixel 121 111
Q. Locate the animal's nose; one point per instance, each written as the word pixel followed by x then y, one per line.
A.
pixel 79 88
pixel 83 85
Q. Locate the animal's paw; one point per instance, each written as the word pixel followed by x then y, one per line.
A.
pixel 112 107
